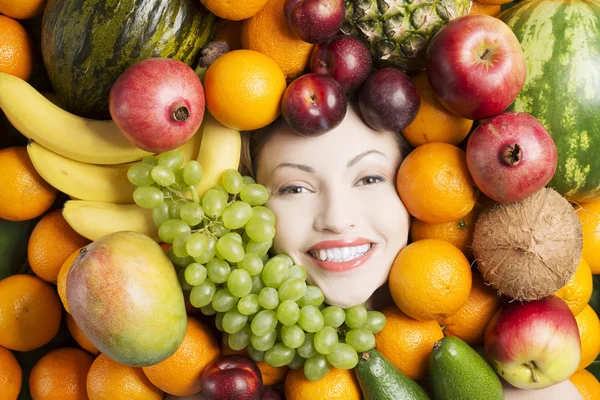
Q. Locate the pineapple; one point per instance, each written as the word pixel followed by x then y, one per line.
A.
pixel 398 31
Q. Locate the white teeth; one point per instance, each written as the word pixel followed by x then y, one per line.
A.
pixel 341 254
pixel 346 254
pixel 322 255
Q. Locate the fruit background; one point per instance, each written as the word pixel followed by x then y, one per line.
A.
pixel 225 318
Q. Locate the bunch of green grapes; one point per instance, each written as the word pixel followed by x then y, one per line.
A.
pixel 220 245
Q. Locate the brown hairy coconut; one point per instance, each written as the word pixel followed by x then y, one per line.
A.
pixel 528 249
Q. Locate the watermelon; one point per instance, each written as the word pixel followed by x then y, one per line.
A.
pixel 561 42
pixel 88 44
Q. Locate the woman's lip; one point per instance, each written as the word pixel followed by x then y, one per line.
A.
pixel 343 266
pixel 330 244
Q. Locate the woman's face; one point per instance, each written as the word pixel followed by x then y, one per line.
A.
pixel 338 212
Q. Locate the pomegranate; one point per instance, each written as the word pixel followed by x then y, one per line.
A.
pixel 158 103
pixel 511 156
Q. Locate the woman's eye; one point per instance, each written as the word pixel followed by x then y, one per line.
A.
pixel 370 180
pixel 293 190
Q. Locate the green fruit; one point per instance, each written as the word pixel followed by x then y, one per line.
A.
pixel 457 372
pixel 562 89
pixel 379 379
pixel 125 297
pixel 88 44
pixel 14 237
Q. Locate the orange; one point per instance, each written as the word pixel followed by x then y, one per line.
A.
pixel 30 312
pixel 589 216
pixel 50 244
pixel 435 185
pixel 22 9
pixel 434 123
pixel 16 48
pixel 180 373
pixel 268 32
pixel 486 9
pixel 79 336
pixel 10 375
pixel 338 384
pixel 25 195
pixel 459 233
pixel 61 280
pixel 578 291
pixel 229 32
pixel 109 379
pixel 589 334
pixel 270 375
pixel 407 343
pixel 61 375
pixel 499 2
pixel 430 280
pixel 587 384
pixel 470 321
pixel 243 89
pixel 234 10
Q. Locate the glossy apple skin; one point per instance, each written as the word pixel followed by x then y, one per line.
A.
pixel 469 83
pixel 511 156
pixel 269 393
pixel 344 58
pixel 232 377
pixel 537 339
pixel 313 104
pixel 389 100
pixel 314 21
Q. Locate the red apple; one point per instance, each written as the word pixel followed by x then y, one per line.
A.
pixel 158 103
pixel 476 66
pixel 344 58
pixel 511 156
pixel 315 21
pixel 534 345
pixel 232 377
pixel 313 104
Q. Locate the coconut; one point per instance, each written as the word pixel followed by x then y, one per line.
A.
pixel 528 249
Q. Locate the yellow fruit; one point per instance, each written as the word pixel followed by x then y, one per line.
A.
pixel 234 10
pixel 578 291
pixel 479 7
pixel 79 336
pixel 589 334
pixel 22 9
pixel 589 216
pixel 338 384
pixel 10 375
pixel 61 281
pixel 587 384
pixel 16 49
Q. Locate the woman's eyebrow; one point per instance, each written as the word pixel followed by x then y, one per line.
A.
pixel 362 155
pixel 301 167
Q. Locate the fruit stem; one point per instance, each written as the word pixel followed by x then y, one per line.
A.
pixel 512 155
pixel 181 114
pixel 485 53
pixel 531 366
pixel 366 356
pixel 437 345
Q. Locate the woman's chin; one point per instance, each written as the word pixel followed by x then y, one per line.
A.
pixel 346 300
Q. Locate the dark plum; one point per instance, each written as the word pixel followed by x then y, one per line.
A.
pixel 270 393
pixel 232 377
pixel 315 21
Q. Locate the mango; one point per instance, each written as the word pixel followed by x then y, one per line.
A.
pixel 124 295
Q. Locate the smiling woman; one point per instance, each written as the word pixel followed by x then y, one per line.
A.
pixel 334 196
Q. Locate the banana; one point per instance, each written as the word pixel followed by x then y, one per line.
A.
pixel 74 137
pixel 93 219
pixel 220 150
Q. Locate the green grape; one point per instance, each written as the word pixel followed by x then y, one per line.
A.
pixel 192 173
pixel 234 321
pixel 178 261
pixel 151 161
pixel 239 282
pixel 139 174
pixel 220 230
pixel 292 289
pixel 195 274
pixel 160 214
pixel 236 237
pixel 333 316
pixel 316 367
pixel 251 263
pixel 326 339
pixel 209 252
pixel 191 213
pixel 170 229
pixel 375 321
pixel 147 196
pixel 285 258
pixel 263 342
pixel 298 271
pixel 163 175
pixel 179 179
pixel 310 319
pixel 259 248
pixel 248 304
pixel 260 230
pixel 172 159
pixel 232 181
pixel 208 310
pixel 248 180
pixel 175 209
pixel 213 203
pixel 218 270
pixel 268 299
pixel 221 189
pixel 254 194
pixel 356 317
pixel 264 213
pixel 343 357
pixel 196 244
pixel 202 295
pixel 307 349
pixel 224 301
pixel 360 339
pixel 239 340
pixel 179 244
pixel 292 336
pixel 255 355
pixel 264 322
pixel 279 355
pixel 230 249
pixel 257 284
pixel 297 362
pixel 312 297
pixel 236 215
pixel 275 272
pixel 219 325
pixel 288 312
pixel 182 282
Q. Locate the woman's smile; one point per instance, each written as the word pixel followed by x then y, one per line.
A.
pixel 341 255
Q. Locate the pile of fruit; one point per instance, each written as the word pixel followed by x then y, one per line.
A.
pixel 137 261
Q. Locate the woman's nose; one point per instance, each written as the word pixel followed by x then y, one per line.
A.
pixel 336 213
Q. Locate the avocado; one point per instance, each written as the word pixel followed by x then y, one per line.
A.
pixel 379 379
pixel 458 372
